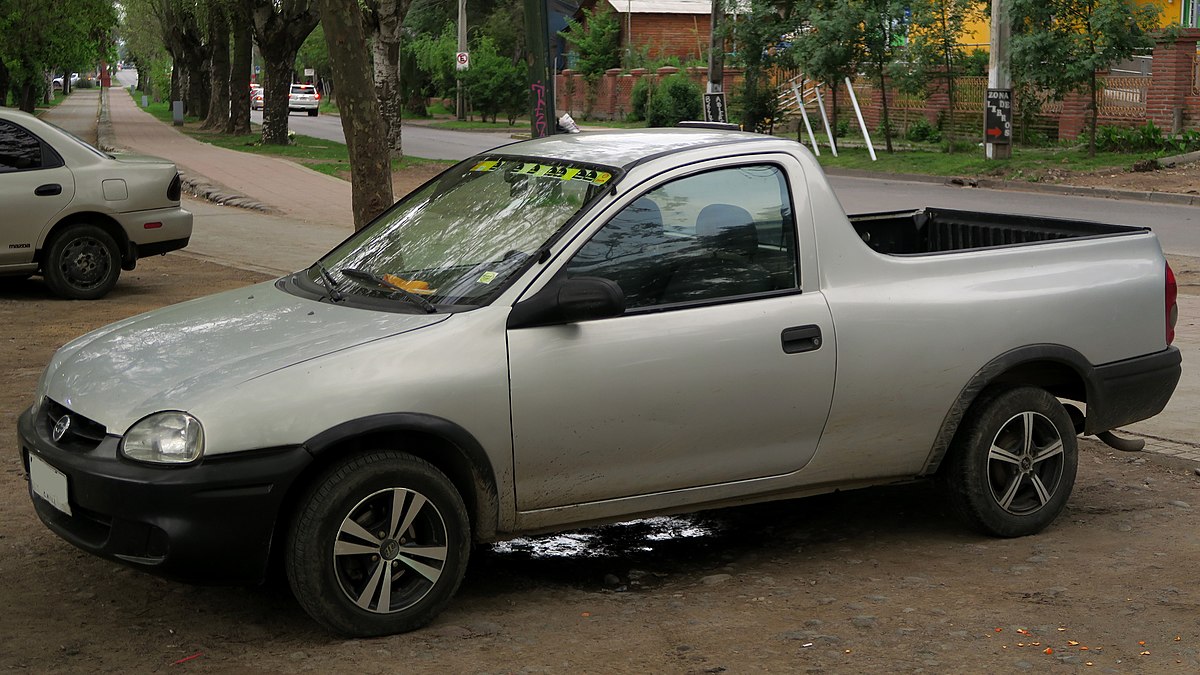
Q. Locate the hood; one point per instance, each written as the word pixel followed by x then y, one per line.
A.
pixel 174 358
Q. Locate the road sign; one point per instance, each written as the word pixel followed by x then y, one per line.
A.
pixel 462 60
pixel 714 107
pixel 310 72
pixel 997 119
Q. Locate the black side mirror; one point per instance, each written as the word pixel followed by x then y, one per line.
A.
pixel 568 301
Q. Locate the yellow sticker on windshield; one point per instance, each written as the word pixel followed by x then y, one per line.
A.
pixel 487 277
pixel 545 171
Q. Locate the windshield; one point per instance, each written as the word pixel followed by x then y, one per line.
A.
pixel 459 239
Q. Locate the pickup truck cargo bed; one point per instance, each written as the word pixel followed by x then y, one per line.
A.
pixel 937 230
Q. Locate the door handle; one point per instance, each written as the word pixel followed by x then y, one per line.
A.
pixel 48 190
pixel 801 339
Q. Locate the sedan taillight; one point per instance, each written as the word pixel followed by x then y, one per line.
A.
pixel 175 188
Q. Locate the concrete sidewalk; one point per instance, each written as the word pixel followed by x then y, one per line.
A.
pixel 240 238
pixel 286 187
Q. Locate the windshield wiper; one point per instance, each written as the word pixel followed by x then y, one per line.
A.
pixel 327 281
pixel 378 280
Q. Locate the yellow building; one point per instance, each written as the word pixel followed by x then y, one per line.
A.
pixel 1183 12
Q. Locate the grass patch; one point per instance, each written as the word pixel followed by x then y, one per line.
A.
pixel 1030 164
pixel 319 154
pixel 466 125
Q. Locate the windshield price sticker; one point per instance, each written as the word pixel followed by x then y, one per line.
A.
pixel 546 171
pixel 487 277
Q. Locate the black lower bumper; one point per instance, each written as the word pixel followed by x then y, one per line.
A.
pixel 1132 390
pixel 207 523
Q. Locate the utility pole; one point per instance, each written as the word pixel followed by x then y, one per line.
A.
pixel 999 85
pixel 460 107
pixel 716 51
pixel 542 117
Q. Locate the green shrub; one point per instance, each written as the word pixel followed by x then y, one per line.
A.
pixel 922 131
pixel 638 98
pixel 675 99
pixel 841 129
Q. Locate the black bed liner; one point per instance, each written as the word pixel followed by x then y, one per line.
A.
pixel 936 230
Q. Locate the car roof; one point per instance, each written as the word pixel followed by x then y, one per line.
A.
pixel 626 148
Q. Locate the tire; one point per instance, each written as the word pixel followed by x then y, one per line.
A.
pixel 1012 464
pixel 343 534
pixel 82 263
pixel 312 113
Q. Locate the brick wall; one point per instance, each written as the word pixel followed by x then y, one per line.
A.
pixel 612 93
pixel 659 36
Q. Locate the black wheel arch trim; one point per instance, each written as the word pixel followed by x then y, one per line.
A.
pixel 1117 393
pixel 483 476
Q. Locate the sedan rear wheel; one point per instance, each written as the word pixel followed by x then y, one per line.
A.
pixel 82 263
pixel 1012 465
pixel 378 546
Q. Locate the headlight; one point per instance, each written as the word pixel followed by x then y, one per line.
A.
pixel 165 438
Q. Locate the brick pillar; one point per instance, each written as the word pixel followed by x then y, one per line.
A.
pixel 1074 116
pixel 608 100
pixel 1171 80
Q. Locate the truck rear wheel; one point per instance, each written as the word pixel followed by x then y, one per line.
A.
pixel 1012 465
pixel 378 545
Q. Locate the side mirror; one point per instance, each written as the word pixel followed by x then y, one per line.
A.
pixel 568 301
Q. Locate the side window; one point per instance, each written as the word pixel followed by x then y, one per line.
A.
pixel 19 149
pixel 718 234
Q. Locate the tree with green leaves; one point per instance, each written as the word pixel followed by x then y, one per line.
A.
pixel 934 49
pixel 40 38
pixel 495 84
pixel 1060 44
pixel 758 35
pixel 827 46
pixel 884 22
pixel 597 44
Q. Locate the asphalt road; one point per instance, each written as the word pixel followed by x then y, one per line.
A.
pixel 419 140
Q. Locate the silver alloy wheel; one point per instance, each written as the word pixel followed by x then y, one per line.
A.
pixel 85 262
pixel 1025 463
pixel 390 550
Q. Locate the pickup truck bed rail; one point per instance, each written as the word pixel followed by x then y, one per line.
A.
pixel 930 230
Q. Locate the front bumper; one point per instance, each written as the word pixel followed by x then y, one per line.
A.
pixel 207 523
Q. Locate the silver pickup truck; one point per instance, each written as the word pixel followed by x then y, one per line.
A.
pixel 591 328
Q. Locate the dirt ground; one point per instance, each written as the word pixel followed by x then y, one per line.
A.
pixel 1182 179
pixel 879 580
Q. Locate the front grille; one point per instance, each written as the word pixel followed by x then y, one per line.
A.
pixel 82 434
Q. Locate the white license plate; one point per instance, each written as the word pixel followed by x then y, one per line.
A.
pixel 49 483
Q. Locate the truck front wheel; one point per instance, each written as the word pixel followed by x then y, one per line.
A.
pixel 378 545
pixel 1012 465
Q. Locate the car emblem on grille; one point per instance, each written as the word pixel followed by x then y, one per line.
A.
pixel 60 428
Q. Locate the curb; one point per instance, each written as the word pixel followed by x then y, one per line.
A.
pixel 197 186
pixel 1173 198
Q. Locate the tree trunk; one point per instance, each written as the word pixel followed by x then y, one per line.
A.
pixel 387 88
pixel 1093 115
pixel 218 59
pixel 28 96
pixel 362 124
pixel 277 83
pixel 176 93
pixel 239 71
pixel 5 83
pixel 887 122
pixel 280 27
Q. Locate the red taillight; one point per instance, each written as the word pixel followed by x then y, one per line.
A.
pixel 1172 307
pixel 318 97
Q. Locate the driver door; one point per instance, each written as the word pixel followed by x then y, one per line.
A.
pixel 720 370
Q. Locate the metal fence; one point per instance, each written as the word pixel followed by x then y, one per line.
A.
pixel 1122 96
pixel 1196 75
